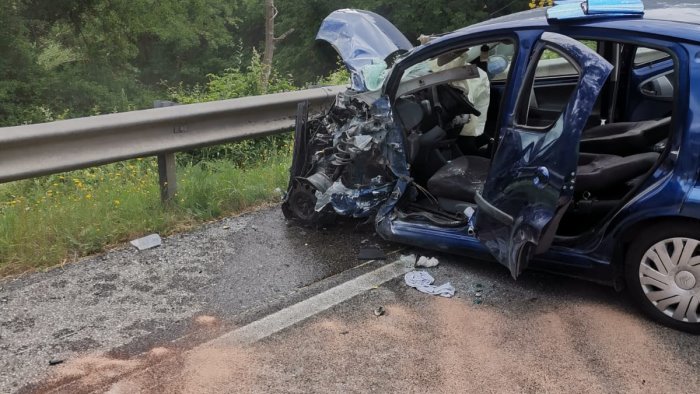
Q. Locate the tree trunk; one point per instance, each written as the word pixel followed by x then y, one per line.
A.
pixel 270 13
pixel 270 41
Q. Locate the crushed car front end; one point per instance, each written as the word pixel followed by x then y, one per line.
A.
pixel 347 161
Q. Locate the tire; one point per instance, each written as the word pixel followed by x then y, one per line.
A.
pixel 662 272
pixel 300 203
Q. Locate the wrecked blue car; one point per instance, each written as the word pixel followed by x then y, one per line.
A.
pixel 565 138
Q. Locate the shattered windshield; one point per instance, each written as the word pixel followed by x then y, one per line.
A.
pixel 494 58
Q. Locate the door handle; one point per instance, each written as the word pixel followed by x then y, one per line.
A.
pixel 541 177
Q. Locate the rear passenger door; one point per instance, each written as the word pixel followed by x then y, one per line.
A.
pixel 531 180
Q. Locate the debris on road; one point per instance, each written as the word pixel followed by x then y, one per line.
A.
pixel 478 293
pixel 423 282
pixel 427 262
pixel 380 311
pixel 371 254
pixel 409 260
pixel 56 361
pixel 148 242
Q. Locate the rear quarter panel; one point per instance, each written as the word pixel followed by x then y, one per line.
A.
pixel 691 205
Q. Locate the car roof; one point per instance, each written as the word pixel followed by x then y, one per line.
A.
pixel 671 18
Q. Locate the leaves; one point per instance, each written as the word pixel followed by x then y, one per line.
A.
pixel 80 57
pixel 107 55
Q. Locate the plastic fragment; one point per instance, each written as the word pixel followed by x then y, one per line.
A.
pixel 469 212
pixel 148 242
pixel 427 262
pixel 379 311
pixel 371 254
pixel 409 260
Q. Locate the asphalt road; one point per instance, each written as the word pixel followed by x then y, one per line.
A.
pixel 131 321
pixel 124 301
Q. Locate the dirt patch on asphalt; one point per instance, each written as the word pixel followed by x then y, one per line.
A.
pixel 87 373
pixel 436 344
pixel 206 320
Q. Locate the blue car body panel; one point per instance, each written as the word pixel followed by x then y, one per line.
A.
pixel 361 38
pixel 671 191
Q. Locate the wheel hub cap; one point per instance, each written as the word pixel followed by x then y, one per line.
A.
pixel 668 274
pixel 685 280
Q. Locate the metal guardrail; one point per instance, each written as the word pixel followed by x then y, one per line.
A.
pixel 47 148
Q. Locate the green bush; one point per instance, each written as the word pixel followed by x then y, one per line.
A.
pixel 234 83
pixel 54 219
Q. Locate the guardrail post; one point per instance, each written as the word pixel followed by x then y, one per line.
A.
pixel 167 176
pixel 167 168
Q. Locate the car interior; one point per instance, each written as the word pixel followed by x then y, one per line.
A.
pixel 623 140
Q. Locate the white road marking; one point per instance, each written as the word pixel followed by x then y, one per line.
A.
pixel 296 313
pixel 266 326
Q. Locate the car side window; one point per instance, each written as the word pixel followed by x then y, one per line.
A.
pixel 645 56
pixel 554 65
pixel 540 103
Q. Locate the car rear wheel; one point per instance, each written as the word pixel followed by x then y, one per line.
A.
pixel 663 275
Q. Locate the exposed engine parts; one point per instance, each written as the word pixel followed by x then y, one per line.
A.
pixel 344 164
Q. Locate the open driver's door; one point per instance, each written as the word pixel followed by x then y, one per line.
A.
pixel 532 176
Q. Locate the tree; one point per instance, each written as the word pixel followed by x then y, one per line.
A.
pixel 90 56
pixel 79 57
pixel 18 69
pixel 270 41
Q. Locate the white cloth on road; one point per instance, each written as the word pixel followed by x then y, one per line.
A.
pixel 423 282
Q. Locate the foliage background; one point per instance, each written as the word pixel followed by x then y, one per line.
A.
pixel 73 58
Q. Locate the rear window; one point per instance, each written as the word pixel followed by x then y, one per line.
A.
pixel 645 56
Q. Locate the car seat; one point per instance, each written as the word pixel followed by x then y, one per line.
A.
pixel 625 138
pixel 460 179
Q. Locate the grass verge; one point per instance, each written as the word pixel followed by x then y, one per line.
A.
pixel 55 219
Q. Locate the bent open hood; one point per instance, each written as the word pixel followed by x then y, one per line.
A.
pixel 361 38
